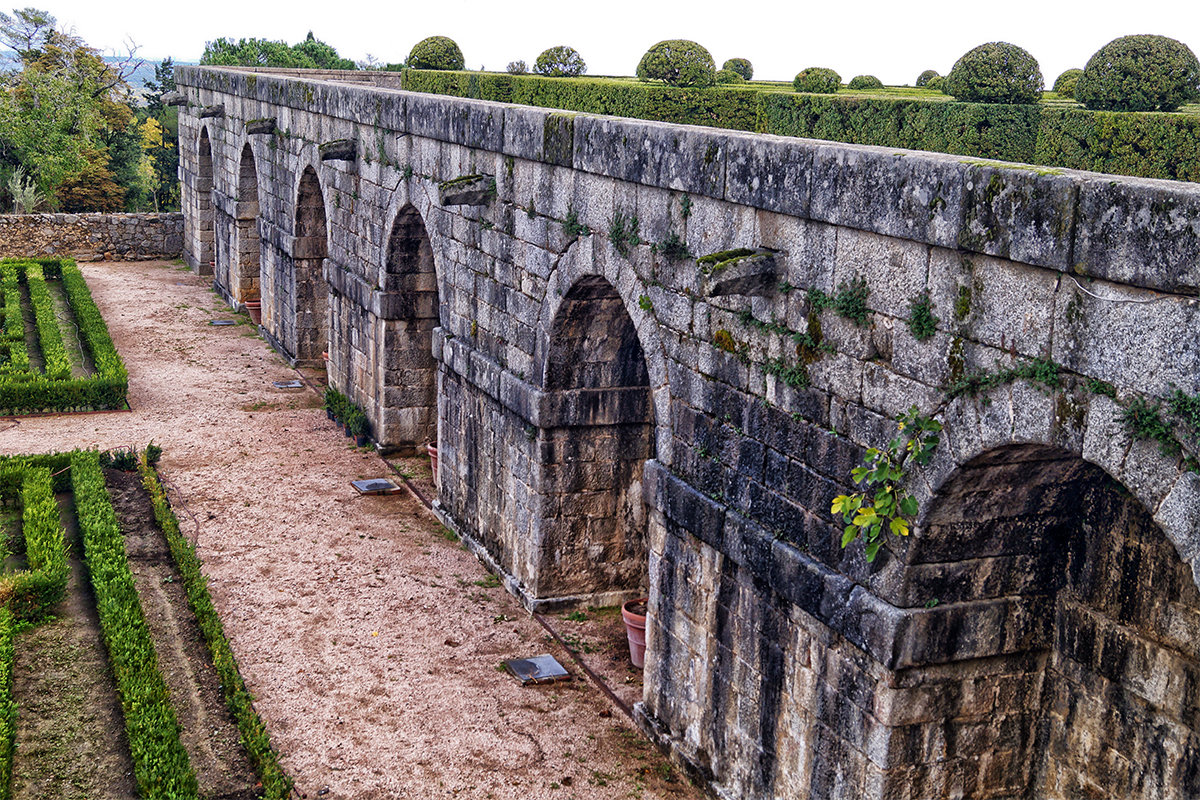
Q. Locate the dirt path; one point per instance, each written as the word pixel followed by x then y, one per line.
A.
pixel 71 741
pixel 370 641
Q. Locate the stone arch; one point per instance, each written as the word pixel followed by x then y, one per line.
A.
pixel 410 311
pixel 1045 612
pixel 579 262
pixel 244 279
pixel 595 438
pixel 204 187
pixel 310 246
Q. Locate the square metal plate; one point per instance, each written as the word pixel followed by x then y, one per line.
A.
pixel 287 384
pixel 538 669
pixel 222 323
pixel 375 486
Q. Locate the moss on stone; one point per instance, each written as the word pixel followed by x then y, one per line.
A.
pixel 716 262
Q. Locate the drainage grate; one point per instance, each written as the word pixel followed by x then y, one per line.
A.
pixel 539 669
pixel 375 486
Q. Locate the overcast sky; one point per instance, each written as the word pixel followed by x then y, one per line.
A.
pixel 894 41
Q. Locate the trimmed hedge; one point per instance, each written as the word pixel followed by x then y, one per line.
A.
pixel 436 52
pixel 276 785
pixel 8 706
pixel 1140 73
pixel 24 391
pixel 160 762
pixel 1069 137
pixel 29 594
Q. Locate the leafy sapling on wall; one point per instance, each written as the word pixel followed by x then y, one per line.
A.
pixel 885 504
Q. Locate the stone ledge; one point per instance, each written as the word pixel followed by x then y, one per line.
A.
pixel 1127 229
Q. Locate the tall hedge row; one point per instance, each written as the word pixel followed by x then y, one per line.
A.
pixel 1146 145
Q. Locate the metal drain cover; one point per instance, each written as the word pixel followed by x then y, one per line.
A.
pixel 538 669
pixel 287 384
pixel 222 323
pixel 375 486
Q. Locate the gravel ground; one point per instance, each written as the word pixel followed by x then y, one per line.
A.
pixel 370 639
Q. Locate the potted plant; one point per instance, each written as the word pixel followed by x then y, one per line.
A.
pixel 634 614
pixel 358 425
pixel 330 402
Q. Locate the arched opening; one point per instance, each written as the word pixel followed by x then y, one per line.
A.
pixel 600 434
pixel 244 277
pixel 411 300
pixel 1061 650
pixel 309 248
pixel 204 186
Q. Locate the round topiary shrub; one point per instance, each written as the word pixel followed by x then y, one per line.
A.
pixel 678 62
pixel 937 83
pixel 1140 73
pixel 818 80
pixel 1064 85
pixel 560 62
pixel 436 52
pixel 517 68
pixel 925 77
pixel 729 76
pixel 996 72
pixel 861 82
pixel 741 66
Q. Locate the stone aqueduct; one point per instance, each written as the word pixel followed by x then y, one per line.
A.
pixel 613 419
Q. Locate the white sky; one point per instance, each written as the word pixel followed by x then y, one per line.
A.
pixel 894 41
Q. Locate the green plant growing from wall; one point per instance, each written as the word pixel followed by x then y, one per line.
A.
pixel 885 505
pixel 673 248
pixel 573 227
pixel 623 233
pixel 921 319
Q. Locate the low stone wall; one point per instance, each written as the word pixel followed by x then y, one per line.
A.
pixel 93 237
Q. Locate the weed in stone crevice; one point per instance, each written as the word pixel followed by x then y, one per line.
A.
pixel 573 227
pixel 921 319
pixel 623 233
pixel 673 248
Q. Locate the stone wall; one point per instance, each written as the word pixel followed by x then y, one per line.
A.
pixel 585 359
pixel 93 237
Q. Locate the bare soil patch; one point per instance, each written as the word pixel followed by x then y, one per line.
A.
pixel 370 642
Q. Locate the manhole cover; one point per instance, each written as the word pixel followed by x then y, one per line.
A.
pixel 539 669
pixel 221 323
pixel 287 384
pixel 375 486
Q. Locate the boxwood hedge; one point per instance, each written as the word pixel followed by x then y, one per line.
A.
pixel 1147 145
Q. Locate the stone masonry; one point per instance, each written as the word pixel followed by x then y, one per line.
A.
pixel 615 417
pixel 93 237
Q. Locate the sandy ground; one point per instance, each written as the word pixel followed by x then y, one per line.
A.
pixel 370 641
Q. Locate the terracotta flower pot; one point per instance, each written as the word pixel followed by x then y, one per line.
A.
pixel 635 629
pixel 433 460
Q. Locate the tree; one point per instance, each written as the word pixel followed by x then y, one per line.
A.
pixel 160 139
pixel 312 53
pixel 65 116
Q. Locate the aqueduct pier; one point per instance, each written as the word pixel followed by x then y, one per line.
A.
pixel 615 417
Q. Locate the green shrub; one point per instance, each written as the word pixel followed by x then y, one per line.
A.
pixel 160 763
pixel 517 68
pixel 817 80
pixel 996 72
pixel 1140 73
pixel 678 62
pixel 275 784
pixel 1151 146
pixel 25 391
pixel 560 62
pixel 8 706
pixel 436 52
pixel 1064 85
pixel 725 76
pixel 741 66
pixel 861 82
pixel 925 77
pixel 937 84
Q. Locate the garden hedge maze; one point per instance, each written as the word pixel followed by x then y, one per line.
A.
pixel 55 351
pixel 43 500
